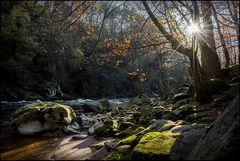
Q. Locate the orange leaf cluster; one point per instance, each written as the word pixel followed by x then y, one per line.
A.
pixel 138 73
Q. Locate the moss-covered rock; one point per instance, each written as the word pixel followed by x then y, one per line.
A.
pixel 124 125
pixel 169 125
pixel 157 103
pixel 123 152
pixel 181 128
pixel 140 100
pixel 198 115
pixel 104 105
pixel 131 140
pixel 153 146
pixel 41 116
pixel 161 125
pixel 182 89
pixel 129 131
pixel 206 119
pixel 181 102
pixel 87 107
pixel 185 110
pixel 180 96
pixel 109 128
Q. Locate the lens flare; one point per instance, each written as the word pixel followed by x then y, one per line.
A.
pixel 193 28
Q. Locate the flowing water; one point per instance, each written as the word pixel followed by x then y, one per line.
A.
pixel 15 146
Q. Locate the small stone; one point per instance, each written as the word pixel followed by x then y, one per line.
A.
pixel 79 137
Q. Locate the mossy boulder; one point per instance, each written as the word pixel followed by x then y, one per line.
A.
pixel 104 105
pixel 157 103
pixel 169 125
pixel 182 89
pixel 206 119
pixel 185 110
pixel 181 102
pixel 181 128
pixel 123 152
pixel 97 106
pixel 180 96
pixel 42 116
pixel 130 140
pixel 124 125
pixel 109 128
pixel 199 115
pixel 129 131
pixel 140 100
pixel 153 146
pixel 91 107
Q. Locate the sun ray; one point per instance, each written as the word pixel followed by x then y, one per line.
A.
pixel 193 28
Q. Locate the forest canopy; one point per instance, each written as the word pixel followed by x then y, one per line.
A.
pixel 114 48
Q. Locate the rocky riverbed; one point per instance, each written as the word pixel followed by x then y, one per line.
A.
pixel 139 128
pixel 17 146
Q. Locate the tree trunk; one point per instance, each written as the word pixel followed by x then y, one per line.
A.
pixel 225 50
pixel 210 62
pixel 203 92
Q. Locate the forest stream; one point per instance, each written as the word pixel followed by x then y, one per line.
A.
pixel 15 146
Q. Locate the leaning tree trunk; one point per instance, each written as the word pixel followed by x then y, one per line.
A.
pixel 209 58
pixel 202 84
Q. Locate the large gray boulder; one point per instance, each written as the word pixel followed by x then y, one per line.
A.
pixel 222 139
pixel 185 143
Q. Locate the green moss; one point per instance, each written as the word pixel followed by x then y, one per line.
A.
pixel 182 122
pixel 186 109
pixel 109 128
pixel 68 116
pixel 131 140
pixel 124 152
pixel 153 145
pixel 130 131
